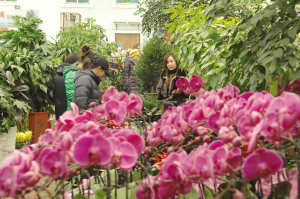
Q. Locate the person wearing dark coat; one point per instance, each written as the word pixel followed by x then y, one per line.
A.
pixel 131 84
pixel 59 89
pixel 166 88
pixel 87 81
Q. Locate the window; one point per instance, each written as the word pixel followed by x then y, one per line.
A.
pixel 8 1
pixel 77 1
pixel 129 2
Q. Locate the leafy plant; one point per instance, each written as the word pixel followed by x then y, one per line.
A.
pixel 11 109
pixel 88 32
pixel 249 53
pixel 28 56
pixel 150 63
pixel 151 107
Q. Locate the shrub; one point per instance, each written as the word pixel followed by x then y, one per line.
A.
pixel 150 64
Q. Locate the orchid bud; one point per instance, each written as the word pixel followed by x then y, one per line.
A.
pixel 276 145
pixel 237 141
pixel 206 139
pixel 147 150
pixel 197 140
pixel 170 150
pixel 238 195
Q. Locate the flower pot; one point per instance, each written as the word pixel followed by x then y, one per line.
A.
pixel 102 92
pixel 38 123
pixel 8 143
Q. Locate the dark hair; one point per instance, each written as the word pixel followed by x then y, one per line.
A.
pixel 91 63
pixel 72 58
pixel 88 62
pixel 86 51
pixel 166 59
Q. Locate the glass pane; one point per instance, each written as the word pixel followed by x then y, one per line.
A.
pixel 1 0
pixel 83 1
pixel 120 1
pixel 133 1
pixel 71 1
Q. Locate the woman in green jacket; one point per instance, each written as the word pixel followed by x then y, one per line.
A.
pixel 70 71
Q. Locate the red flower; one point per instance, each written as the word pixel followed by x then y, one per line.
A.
pixel 160 161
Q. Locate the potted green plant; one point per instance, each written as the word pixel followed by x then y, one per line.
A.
pixel 27 54
pixel 11 110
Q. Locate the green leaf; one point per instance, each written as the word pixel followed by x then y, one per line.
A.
pixel 172 10
pixel 295 76
pixel 171 29
pixel 174 15
pixel 213 80
pixel 192 195
pixel 292 33
pixel 204 34
pixel 266 60
pixel 208 193
pixel 297 54
pixel 21 88
pixel 100 194
pixel 273 88
pixel 293 61
pixel 9 77
pixel 179 7
pixel 79 196
pixel 281 190
pixel 43 87
pixel 278 52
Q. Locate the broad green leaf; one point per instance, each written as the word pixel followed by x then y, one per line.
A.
pixel 297 54
pixel 171 29
pixel 79 196
pixel 292 33
pixel 204 34
pixel 293 61
pixel 9 77
pixel 295 76
pixel 208 193
pixel 266 60
pixel 21 88
pixel 179 7
pixel 281 190
pixel 213 80
pixel 43 87
pixel 278 52
pixel 174 15
pixel 172 10
pixel 272 67
pixel 192 195
pixel 100 194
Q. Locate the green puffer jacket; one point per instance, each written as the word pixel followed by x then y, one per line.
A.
pixel 69 74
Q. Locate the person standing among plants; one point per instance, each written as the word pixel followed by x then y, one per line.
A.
pixel 166 88
pixel 59 89
pixel 70 71
pixel 130 80
pixel 86 82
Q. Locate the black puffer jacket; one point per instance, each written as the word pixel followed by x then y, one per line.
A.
pixel 86 89
pixel 59 91
pixel 130 80
pixel 164 90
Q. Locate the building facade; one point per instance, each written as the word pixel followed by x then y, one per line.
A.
pixel 115 16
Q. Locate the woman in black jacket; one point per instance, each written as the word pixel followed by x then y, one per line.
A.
pixel 86 88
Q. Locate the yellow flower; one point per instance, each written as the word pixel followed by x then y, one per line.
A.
pixel 28 135
pixel 20 137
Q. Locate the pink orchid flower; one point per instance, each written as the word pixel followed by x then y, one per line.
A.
pixel 183 84
pixel 261 163
pixel 89 150
pixel 115 111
